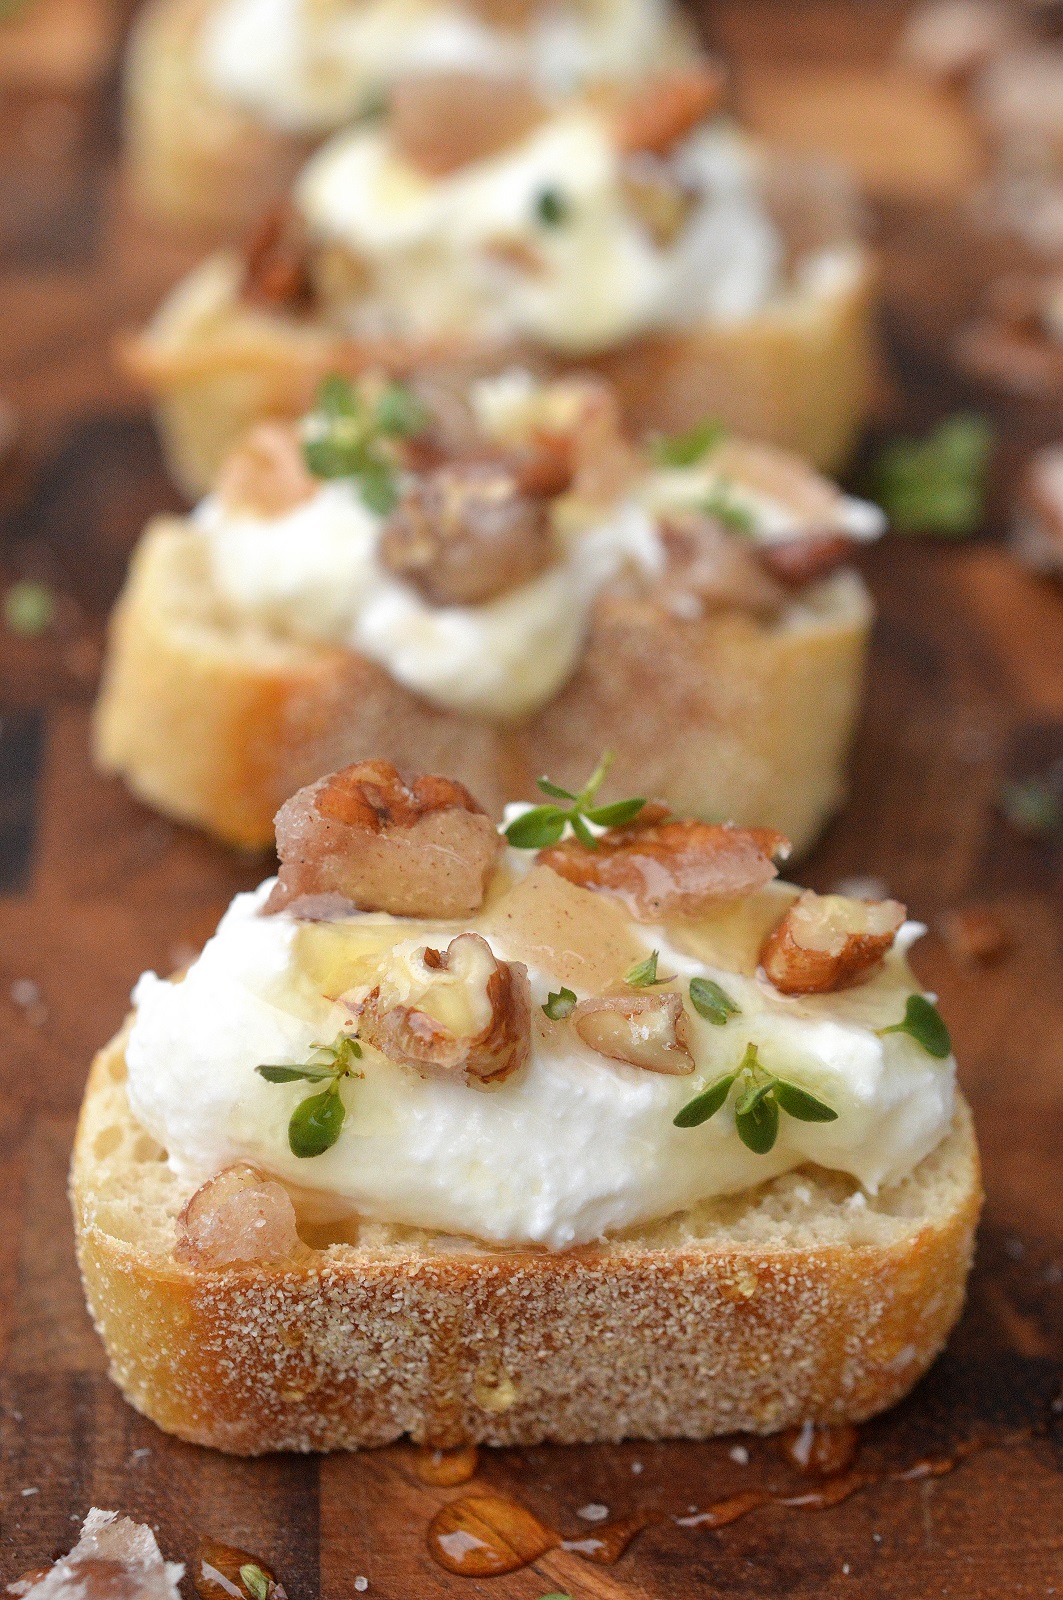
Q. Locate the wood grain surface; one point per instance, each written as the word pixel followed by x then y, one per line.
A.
pixel 966 691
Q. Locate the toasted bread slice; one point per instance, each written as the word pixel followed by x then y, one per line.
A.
pixel 217 722
pixel 802 1299
pixel 796 374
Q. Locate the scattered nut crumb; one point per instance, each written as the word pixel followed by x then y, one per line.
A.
pixel 740 1454
pixel 974 934
pixel 25 1492
pixel 26 995
pixel 361 1584
pixel 636 1467
pixel 593 1512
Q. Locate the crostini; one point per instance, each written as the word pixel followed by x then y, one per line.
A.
pixel 490 578
pixel 476 224
pixel 589 1129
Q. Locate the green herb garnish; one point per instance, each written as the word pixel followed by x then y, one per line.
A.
pixel 643 975
pixel 761 1096
pixel 937 484
pixel 687 449
pixel 721 504
pixel 552 208
pixel 923 1022
pixel 560 1005
pixel 29 607
pixel 314 1125
pixel 346 438
pixel 712 1002
pixel 1033 808
pixel 255 1580
pixel 544 825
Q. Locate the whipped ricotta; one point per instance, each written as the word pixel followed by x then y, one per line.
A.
pixel 451 254
pixel 574 1145
pixel 308 66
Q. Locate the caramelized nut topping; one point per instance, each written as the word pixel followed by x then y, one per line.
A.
pixel 277 273
pixel 238 1215
pixel 828 941
pixel 441 121
pixel 114 1559
pixel 670 869
pixel 414 1036
pixel 715 570
pixel 657 198
pixel 795 562
pixel 364 837
pixel 266 474
pixel 467 534
pixel 668 106
pixel 649 1031
pixel 604 463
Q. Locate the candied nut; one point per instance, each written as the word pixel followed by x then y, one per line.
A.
pixel 277 263
pixel 604 462
pixel 266 474
pixel 114 1559
pixel 795 562
pixel 670 869
pixel 779 475
pixel 975 935
pixel 466 534
pixel 238 1215
pixel 647 1030
pixel 828 941
pixel 441 121
pixel 708 565
pixel 653 192
pixel 657 115
pixel 443 1034
pixel 365 836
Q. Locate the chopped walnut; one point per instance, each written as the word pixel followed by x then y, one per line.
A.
pixel 444 120
pixel 671 869
pixel 266 474
pixel 114 1559
pixel 238 1215
pixel 653 192
pixel 648 1030
pixel 367 838
pixel 710 567
pixel 795 562
pixel 604 462
pixel 657 115
pixel 466 534
pixel 827 942
pixel 471 1016
pixel 779 475
pixel 276 265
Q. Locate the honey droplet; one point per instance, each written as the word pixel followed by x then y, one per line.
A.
pixel 726 1511
pixel 830 1494
pixel 821 1451
pixel 606 1545
pixel 483 1536
pixel 445 1469
pixel 216 1573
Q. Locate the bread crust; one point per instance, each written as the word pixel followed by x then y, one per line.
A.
pixel 217 724
pixel 689 1329
pixel 797 374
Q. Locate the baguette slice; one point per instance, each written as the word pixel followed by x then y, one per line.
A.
pixel 799 1300
pixel 217 722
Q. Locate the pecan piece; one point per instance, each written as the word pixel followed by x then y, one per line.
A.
pixel 708 566
pixel 266 474
pixel 647 1030
pixel 441 121
pixel 467 534
pixel 277 263
pixel 668 106
pixel 462 983
pixel 671 869
pixel 365 837
pixel 241 1214
pixel 795 562
pixel 828 941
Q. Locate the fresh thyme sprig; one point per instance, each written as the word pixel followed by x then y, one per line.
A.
pixel 347 437
pixel 544 825
pixel 315 1124
pixel 687 449
pixel 923 1022
pixel 761 1096
pixel 560 1005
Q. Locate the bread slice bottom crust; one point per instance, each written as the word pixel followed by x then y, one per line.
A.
pixel 800 1300
pixel 217 722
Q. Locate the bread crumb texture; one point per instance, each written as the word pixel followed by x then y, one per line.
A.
pixel 802 1299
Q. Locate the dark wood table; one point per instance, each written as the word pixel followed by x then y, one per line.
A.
pixel 966 690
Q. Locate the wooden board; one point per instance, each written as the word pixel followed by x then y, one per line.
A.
pixel 966 689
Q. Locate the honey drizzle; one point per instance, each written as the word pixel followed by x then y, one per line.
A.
pixel 446 1469
pixel 479 1536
